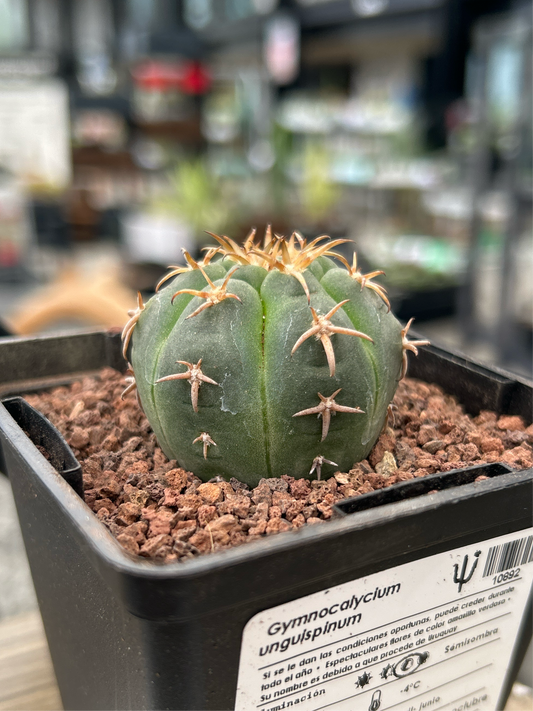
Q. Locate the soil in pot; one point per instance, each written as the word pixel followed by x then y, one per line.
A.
pixel 159 511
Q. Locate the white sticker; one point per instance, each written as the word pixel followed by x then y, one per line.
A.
pixel 437 633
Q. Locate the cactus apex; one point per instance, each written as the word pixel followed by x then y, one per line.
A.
pixel 195 377
pixel 206 440
pixel 326 407
pixel 322 329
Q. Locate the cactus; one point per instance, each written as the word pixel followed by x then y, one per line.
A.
pixel 257 362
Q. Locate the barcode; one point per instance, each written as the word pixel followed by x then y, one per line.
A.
pixel 509 555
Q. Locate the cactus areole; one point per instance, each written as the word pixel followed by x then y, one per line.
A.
pixel 262 361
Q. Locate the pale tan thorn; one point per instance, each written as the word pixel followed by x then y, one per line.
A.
pixel 317 464
pixel 290 244
pixel 174 376
pixel 389 418
pixel 365 279
pixel 323 248
pixel 127 331
pixel 334 309
pixel 207 442
pixel 315 241
pixel 208 280
pixel 175 271
pixel 330 253
pixel 215 296
pixel 269 254
pixel 304 337
pixel 323 328
pixel 193 264
pixel 249 241
pixel 302 281
pixel 193 292
pixel 330 354
pixel 199 373
pixel 326 421
pixel 228 277
pixel 140 305
pixel 409 346
pixel 195 387
pixel 380 290
pixel 210 303
pixel 343 261
pixel 344 408
pixel 126 337
pixel 301 240
pixel 268 236
pixel 223 242
pixel 351 332
pixel 209 254
pixel 285 254
pixel 132 385
pixel 230 248
pixel 340 329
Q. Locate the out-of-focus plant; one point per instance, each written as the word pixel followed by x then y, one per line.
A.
pixel 318 193
pixel 196 196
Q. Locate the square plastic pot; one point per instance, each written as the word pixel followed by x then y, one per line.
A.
pixel 127 633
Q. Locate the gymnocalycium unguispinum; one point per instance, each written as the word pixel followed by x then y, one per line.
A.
pixel 258 361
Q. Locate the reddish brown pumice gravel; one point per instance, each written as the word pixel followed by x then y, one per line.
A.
pixel 157 510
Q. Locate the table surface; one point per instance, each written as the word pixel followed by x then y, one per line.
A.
pixel 27 681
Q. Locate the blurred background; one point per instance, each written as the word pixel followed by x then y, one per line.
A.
pixel 128 127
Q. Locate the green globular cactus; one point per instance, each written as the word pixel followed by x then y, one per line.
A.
pixel 258 362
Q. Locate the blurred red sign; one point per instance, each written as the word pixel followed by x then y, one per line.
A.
pixel 187 76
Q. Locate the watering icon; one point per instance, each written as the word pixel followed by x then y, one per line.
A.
pixel 375 701
pixel 464 578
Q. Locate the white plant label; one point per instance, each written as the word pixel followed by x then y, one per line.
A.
pixel 437 633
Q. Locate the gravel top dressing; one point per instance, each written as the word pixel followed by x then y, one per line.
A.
pixel 157 510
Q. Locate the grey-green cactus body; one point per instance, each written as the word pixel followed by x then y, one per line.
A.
pixel 245 347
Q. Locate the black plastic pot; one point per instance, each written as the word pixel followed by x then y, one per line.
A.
pixel 424 305
pixel 130 634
